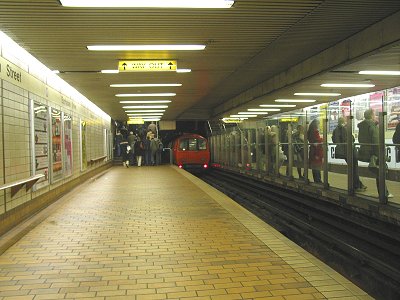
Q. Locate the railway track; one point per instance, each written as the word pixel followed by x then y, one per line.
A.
pixel 364 249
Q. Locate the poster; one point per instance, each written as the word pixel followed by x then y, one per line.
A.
pixel 83 146
pixel 393 108
pixel 56 146
pixel 40 142
pixel 67 145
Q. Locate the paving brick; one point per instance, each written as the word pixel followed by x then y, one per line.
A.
pixel 171 238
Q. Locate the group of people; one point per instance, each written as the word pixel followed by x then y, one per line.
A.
pixel 138 149
pixel 367 152
pixel 368 138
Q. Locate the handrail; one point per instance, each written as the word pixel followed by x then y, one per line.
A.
pixel 17 185
pixel 93 160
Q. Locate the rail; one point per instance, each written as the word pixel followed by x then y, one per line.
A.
pixel 94 160
pixel 17 185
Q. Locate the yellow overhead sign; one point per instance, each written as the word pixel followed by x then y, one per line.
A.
pixel 147 65
pixel 135 121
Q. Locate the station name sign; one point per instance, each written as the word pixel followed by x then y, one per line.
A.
pixel 147 65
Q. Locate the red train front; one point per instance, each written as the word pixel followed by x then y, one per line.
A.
pixel 191 151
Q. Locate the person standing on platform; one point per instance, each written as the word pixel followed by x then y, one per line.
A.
pixel 131 143
pixel 139 151
pixel 368 137
pixel 153 150
pixel 124 152
pixel 117 140
pixel 316 154
pixel 396 141
pixel 152 127
pixel 298 148
pixel 147 150
pixel 339 137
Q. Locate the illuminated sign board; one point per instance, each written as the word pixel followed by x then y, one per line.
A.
pixel 147 65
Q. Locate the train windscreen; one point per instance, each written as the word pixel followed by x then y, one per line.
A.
pixel 192 144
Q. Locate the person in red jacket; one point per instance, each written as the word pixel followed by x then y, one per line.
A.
pixel 316 153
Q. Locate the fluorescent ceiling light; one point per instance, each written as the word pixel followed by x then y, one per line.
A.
pixel 150 3
pixel 145 101
pixel 145 110
pixel 247 113
pixel 146 117
pixel 109 71
pixel 147 95
pixel 147 120
pixel 348 85
pixel 244 116
pixel 146 114
pixel 146 85
pixel 266 109
pixel 144 106
pixel 56 71
pixel 317 94
pixel 144 47
pixel 275 105
pixel 295 100
pixel 396 73
pixel 183 70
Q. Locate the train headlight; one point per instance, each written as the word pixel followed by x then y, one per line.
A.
pixel 205 166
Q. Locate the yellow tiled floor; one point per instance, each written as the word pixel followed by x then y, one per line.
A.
pixel 160 233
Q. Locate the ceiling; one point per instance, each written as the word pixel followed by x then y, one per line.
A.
pixel 245 45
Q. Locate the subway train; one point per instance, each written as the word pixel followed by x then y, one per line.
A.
pixel 191 151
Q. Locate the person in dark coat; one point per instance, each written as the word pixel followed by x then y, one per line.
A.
pixel 368 137
pixel 139 151
pixel 316 154
pixel 124 152
pixel 339 136
pixel 396 141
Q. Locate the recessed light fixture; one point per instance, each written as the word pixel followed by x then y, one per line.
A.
pixel 244 116
pixel 249 112
pixel 395 73
pixel 109 71
pixel 183 70
pixel 295 100
pixel 145 114
pixel 147 95
pixel 318 94
pixel 144 106
pixel 145 111
pixel 147 120
pixel 145 47
pixel 150 3
pixel 145 101
pixel 146 85
pixel 348 85
pixel 276 105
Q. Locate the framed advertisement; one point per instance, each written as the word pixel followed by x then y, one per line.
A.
pixel 67 125
pixel 56 145
pixel 393 108
pixel 82 129
pixel 40 142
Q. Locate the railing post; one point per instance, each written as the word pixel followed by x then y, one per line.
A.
pixel 383 198
pixel 249 148
pixel 290 151
pixel 267 156
pixel 242 149
pixel 350 156
pixel 306 151
pixel 325 149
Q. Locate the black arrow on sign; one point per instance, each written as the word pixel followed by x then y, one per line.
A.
pixel 124 65
pixel 170 65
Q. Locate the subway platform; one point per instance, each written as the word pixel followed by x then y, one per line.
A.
pixel 160 233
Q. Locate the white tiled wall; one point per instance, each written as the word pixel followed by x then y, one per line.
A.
pixel 15 152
